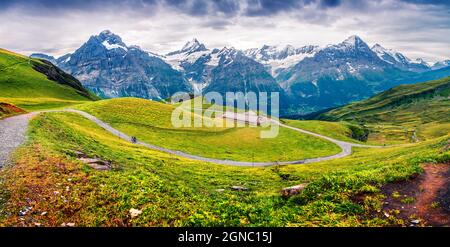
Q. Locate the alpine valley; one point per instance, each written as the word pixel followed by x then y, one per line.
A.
pixel 94 134
pixel 308 78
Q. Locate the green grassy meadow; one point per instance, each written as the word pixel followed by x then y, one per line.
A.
pixel 151 122
pixel 337 130
pixel 173 191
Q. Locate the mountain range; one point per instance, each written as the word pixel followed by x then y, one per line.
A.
pixel 309 78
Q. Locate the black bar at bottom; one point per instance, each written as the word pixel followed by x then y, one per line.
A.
pixel 223 236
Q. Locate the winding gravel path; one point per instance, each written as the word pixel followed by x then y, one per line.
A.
pixel 13 129
pixel 12 134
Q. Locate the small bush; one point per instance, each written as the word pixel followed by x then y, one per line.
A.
pixel 360 133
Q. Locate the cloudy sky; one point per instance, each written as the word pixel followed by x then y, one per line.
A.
pixel 417 28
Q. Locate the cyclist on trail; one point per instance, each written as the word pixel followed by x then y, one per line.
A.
pixel 133 139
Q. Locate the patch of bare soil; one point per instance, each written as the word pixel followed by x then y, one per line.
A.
pixel 423 200
pixel 9 109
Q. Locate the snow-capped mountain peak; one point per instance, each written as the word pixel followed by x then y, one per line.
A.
pixel 110 37
pixel 228 50
pixel 193 46
pixel 399 60
pixel 267 52
pixel 441 64
pixel 353 42
pixel 421 61
pixel 111 41
pixel 227 54
pixel 280 57
pixel 188 54
pixel 190 47
pixel 380 49
pixel 106 33
pixel 389 55
pixel 110 68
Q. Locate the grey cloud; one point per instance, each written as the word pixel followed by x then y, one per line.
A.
pixel 190 7
pixel 429 2
pixel 51 25
pixel 217 24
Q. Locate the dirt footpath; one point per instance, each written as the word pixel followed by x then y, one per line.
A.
pixel 422 201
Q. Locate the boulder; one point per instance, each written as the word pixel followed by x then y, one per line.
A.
pixel 293 190
pixel 80 154
pixel 135 212
pixel 415 222
pixel 96 164
pixel 238 188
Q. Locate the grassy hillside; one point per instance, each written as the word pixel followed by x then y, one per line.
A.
pixel 151 122
pixel 338 130
pixel 35 84
pixel 403 113
pixel 172 191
